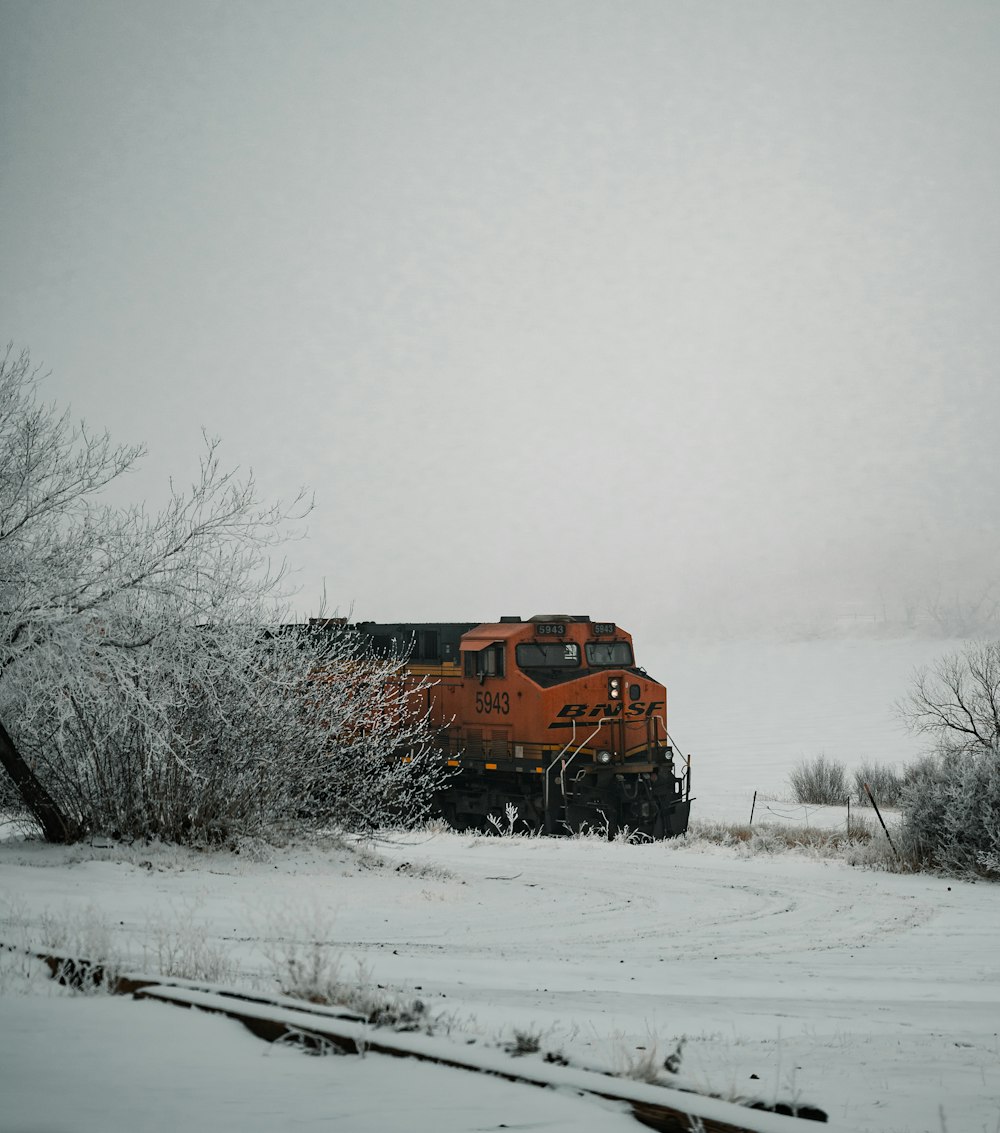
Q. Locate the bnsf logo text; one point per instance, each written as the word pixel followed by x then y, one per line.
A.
pixel 636 710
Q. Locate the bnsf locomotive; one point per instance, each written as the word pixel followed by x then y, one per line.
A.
pixel 550 714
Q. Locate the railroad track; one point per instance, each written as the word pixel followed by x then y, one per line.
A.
pixel 322 1027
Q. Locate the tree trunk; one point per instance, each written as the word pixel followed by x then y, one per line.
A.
pixel 55 826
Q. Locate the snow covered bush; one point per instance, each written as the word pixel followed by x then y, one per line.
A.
pixel 307 965
pixel 144 689
pixel 885 782
pixel 182 945
pixel 951 806
pixel 820 781
pixel 951 814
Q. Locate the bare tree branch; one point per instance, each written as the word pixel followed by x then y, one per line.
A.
pixel 958 699
pixel 142 684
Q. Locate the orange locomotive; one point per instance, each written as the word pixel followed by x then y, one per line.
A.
pixel 549 714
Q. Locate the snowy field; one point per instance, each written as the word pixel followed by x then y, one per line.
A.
pixel 871 995
pixel 749 711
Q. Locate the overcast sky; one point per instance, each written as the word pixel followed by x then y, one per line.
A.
pixel 653 311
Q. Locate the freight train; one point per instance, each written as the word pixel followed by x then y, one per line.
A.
pixel 550 714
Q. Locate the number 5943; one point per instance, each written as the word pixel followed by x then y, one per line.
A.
pixel 498 702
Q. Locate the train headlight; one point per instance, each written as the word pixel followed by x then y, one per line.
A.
pixel 614 687
pixel 604 757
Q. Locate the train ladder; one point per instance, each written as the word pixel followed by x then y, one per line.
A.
pixel 563 763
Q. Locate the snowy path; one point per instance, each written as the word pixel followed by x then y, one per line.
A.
pixel 815 976
pixel 876 996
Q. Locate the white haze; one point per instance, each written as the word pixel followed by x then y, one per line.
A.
pixel 679 313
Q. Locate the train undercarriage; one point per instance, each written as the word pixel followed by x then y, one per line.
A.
pixel 552 798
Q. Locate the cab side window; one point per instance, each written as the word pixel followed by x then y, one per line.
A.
pixel 488 662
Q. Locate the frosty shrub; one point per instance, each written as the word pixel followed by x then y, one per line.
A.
pixel 311 969
pixel 524 1042
pixel 182 946
pixel 950 807
pixel 505 829
pixel 820 781
pixel 885 782
pixel 951 815
pixel 649 1063
pixel 144 691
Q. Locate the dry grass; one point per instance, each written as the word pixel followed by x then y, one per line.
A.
pixel 768 837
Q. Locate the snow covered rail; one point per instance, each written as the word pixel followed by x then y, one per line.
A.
pixel 318 1026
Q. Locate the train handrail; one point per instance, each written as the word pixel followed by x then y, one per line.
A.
pixel 686 758
pixel 548 770
pixel 670 740
pixel 572 740
pixel 583 744
pixel 675 746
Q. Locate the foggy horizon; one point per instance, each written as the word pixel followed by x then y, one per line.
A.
pixel 681 315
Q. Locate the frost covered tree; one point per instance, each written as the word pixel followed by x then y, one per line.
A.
pixel 144 690
pixel 951 808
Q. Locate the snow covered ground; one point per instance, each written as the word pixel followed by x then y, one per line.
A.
pixel 872 995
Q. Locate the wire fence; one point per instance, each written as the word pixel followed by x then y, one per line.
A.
pixel 809 815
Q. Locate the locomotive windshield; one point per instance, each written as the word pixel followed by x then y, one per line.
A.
pixel 561 655
pixel 616 653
